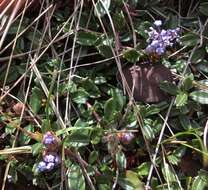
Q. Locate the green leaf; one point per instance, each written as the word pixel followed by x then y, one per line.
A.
pixel 118 96
pixel 119 20
pixel 104 46
pixel 168 87
pixel 203 66
pixel 142 28
pixel 148 132
pixel 100 80
pixel 175 156
pixel 101 7
pixel 79 123
pixel 80 135
pixel 188 82
pixel 86 38
pixel 94 155
pixel 185 122
pixel 37 148
pixel 168 173
pixel 190 39
pixel 110 109
pixel 200 96
pixel 198 55
pixel 131 55
pixel 203 8
pixel 90 87
pixel 201 181
pixel 36 99
pixel 80 96
pixel 181 99
pixel 130 181
pixel 121 160
pixel 144 168
pixel 71 87
pixel 113 106
pixel 23 138
pixel 105 51
pixel 77 139
pixel 75 178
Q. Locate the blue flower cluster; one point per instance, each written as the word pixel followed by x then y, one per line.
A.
pixel 48 139
pixel 49 162
pixel 51 158
pixel 159 39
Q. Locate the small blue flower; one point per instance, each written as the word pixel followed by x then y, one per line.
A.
pixel 50 166
pixel 158 23
pixel 41 166
pixel 160 51
pixel 49 158
pixel 48 138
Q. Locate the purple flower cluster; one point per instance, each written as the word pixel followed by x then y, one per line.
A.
pixel 159 39
pixel 48 139
pixel 50 156
pixel 49 162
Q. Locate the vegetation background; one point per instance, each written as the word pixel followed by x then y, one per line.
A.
pixel 59 73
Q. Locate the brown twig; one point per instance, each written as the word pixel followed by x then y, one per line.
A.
pixel 97 117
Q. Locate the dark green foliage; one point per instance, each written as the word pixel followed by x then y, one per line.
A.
pixel 64 71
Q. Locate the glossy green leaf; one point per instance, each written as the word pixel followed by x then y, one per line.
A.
pixel 93 157
pixel 100 80
pixel 201 181
pixel 131 55
pixel 77 139
pixel 86 38
pixel 200 96
pixel 168 173
pixel 80 96
pixel 75 178
pixel 105 51
pixel 143 169
pixel 168 87
pixel 130 181
pixel 185 122
pixel 101 7
pixel 181 99
pixel 79 136
pixel 105 46
pixel 121 160
pixel 113 106
pixel 198 55
pixel 142 28
pixel 37 148
pixel 148 132
pixel 119 20
pixel 187 83
pixel 190 39
pixel 203 66
pixel 90 88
